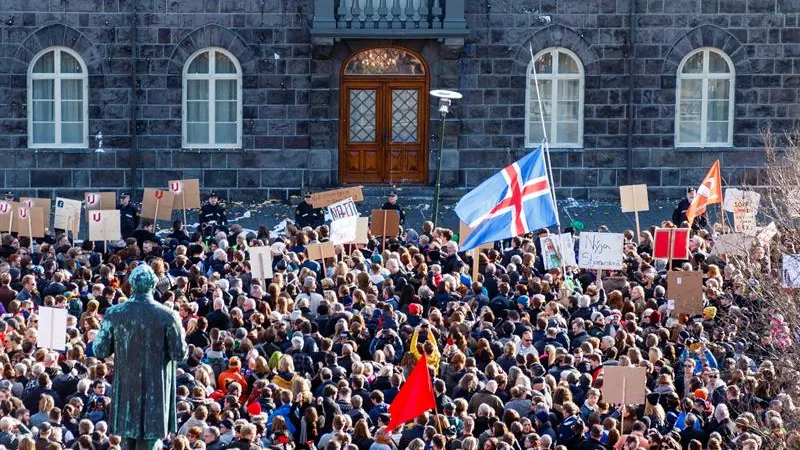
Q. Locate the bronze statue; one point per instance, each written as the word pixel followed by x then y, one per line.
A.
pixel 147 341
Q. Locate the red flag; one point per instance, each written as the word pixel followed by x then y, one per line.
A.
pixel 414 398
pixel 680 243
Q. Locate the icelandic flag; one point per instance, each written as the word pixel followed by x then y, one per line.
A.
pixel 511 203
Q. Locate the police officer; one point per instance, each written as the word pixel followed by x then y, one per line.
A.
pixel 128 216
pixel 306 215
pixel 10 197
pixel 213 215
pixel 392 204
pixel 679 213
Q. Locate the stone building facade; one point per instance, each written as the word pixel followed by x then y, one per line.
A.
pixel 291 71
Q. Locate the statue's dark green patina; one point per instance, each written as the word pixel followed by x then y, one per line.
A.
pixel 147 342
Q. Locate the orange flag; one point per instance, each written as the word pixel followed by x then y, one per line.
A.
pixel 415 397
pixel 708 193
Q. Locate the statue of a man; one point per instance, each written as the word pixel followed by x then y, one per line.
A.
pixel 147 341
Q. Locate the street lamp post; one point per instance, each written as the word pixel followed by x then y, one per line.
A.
pixel 445 99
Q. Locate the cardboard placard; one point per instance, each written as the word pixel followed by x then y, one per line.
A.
pixel 384 222
pixel 362 231
pixel 733 244
pixel 323 199
pixel 52 328
pixel 463 233
pixel 104 225
pixel 43 203
pixel 100 200
pixel 744 217
pixel 7 211
pixel 186 193
pixel 679 244
pixel 68 215
pixel 321 251
pixel 553 246
pixel 344 231
pixel 28 221
pixel 634 198
pixel 157 204
pixel 686 288
pixel 261 262
pixel 601 251
pixel 624 384
pixel 343 209
pixel 732 195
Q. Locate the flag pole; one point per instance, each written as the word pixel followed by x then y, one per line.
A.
pixel 546 149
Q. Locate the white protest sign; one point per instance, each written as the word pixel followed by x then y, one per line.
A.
pixel 344 231
pixel 744 217
pixel 790 271
pixel 732 195
pixel 68 215
pixel 553 253
pixel 732 244
pixel 767 233
pixel 600 251
pixel 261 262
pixel 343 209
pixel 52 328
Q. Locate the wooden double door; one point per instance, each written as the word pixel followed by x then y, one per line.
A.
pixel 383 131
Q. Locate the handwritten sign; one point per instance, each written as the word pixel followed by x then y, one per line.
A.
pixel 601 251
pixel 186 192
pixel 6 215
pixel 29 221
pixel 344 230
pixel 343 209
pixel 322 199
pixel 744 216
pixel 68 215
pixel 43 203
pixel 558 248
pixel 790 271
pixel 157 204
pixel 100 200
pixel 732 195
pixel 104 225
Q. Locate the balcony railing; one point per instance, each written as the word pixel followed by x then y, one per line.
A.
pixel 394 19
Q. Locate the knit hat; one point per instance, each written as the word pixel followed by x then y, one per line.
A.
pixel 234 363
pixel 701 394
pixel 415 309
pixel 710 312
pixel 542 416
pixel 655 317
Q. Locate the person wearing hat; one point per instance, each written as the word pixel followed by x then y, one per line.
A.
pixel 213 215
pixel 128 216
pixel 234 373
pixel 305 215
pixel 679 213
pixel 392 204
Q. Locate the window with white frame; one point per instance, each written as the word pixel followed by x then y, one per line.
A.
pixel 212 105
pixel 57 100
pixel 560 75
pixel 704 106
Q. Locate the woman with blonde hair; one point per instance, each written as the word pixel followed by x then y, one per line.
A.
pixel 285 369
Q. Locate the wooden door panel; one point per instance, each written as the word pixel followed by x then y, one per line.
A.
pixel 383 130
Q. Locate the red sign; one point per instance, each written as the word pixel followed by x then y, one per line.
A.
pixel 676 239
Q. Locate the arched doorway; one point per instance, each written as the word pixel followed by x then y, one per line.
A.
pixel 384 117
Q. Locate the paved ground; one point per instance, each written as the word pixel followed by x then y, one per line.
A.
pixel 419 209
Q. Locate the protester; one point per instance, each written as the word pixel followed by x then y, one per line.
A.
pixel 313 357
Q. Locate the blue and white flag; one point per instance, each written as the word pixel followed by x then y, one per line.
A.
pixel 511 203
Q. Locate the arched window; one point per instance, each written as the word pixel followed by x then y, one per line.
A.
pixel 212 100
pixel 705 100
pixel 58 111
pixel 560 75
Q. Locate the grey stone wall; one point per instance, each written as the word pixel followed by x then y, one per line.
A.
pixel 291 104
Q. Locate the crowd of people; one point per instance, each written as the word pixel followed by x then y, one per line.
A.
pixel 313 357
